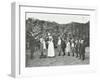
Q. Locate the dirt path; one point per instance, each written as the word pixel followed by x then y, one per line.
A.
pixel 56 61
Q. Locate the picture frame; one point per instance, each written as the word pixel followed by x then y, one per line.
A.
pixel 18 15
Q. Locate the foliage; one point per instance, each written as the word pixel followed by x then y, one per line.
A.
pixel 38 28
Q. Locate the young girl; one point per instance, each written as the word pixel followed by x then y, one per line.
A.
pixel 68 47
pixel 44 47
pixel 73 47
pixel 59 46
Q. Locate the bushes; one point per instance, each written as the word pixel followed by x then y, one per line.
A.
pixel 37 28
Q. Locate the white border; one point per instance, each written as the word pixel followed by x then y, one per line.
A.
pixel 20 69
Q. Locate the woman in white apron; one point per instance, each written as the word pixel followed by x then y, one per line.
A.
pixel 51 52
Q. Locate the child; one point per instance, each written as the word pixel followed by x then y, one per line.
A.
pixel 68 47
pixel 73 47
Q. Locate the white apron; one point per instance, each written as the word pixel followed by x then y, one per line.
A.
pixel 68 47
pixel 51 52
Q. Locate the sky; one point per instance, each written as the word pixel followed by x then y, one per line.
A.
pixel 59 18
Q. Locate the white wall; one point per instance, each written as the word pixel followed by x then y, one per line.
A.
pixel 5 39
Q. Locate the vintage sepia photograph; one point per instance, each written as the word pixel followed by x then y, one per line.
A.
pixel 56 39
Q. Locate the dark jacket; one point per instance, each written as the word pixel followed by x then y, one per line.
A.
pixel 63 44
pixel 82 48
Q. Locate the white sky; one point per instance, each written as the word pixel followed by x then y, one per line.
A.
pixel 61 19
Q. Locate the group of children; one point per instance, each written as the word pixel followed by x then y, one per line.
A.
pixel 64 46
pixel 72 47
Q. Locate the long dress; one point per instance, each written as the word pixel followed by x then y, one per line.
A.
pixel 68 48
pixel 59 46
pixel 44 45
pixel 51 52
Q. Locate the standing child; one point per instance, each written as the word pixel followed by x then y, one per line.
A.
pixel 63 46
pixel 73 47
pixel 76 47
pixel 59 46
pixel 44 48
pixel 41 47
pixel 68 47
